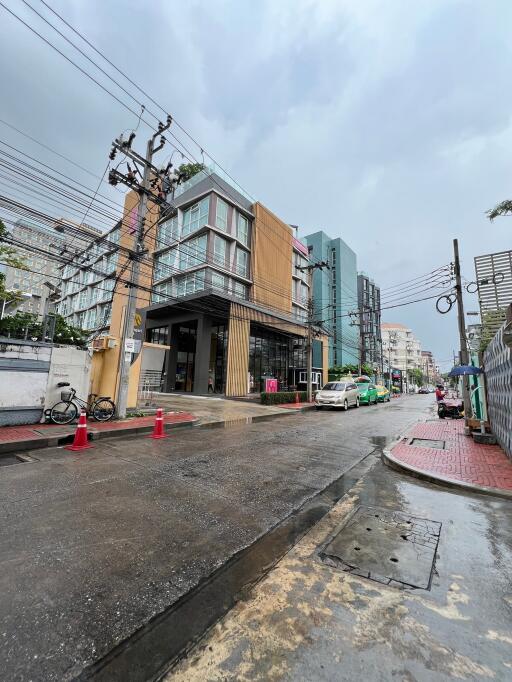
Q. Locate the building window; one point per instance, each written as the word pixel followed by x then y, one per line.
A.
pixel 219 250
pixel 190 283
pixel 221 215
pixel 161 292
pixel 239 290
pixel 218 282
pixel 164 264
pixel 82 300
pixel 158 335
pixel 195 217
pixel 168 233
pixel 192 253
pixel 242 262
pixel 243 229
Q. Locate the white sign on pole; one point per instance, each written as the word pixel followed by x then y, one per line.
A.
pixel 129 345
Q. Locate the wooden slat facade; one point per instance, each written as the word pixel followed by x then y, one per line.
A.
pixel 238 351
pixel 271 260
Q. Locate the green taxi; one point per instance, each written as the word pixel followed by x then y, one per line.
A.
pixel 367 393
pixel 383 394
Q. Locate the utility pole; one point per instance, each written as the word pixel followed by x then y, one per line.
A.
pixel 144 190
pixel 463 352
pixel 310 323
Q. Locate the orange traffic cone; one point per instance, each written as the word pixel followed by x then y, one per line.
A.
pixel 297 399
pixel 158 431
pixel 80 441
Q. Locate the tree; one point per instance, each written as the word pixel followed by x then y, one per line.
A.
pixel 27 326
pixel 416 376
pixel 502 209
pixel 8 256
pixel 188 170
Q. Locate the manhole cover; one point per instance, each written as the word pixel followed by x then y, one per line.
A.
pixel 428 443
pixel 387 546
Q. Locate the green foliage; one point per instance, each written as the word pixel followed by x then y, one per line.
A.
pixel 67 334
pixel 416 376
pixel 188 170
pixel 502 209
pixel 343 370
pixel 26 325
pixel 491 322
pixel 8 255
pixel 282 397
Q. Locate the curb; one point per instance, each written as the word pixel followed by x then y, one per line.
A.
pixel 398 465
pixel 55 441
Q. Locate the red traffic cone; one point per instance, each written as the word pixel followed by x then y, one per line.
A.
pixel 80 441
pixel 158 431
pixel 297 399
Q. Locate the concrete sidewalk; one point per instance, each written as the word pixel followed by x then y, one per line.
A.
pixel 31 436
pixel 452 458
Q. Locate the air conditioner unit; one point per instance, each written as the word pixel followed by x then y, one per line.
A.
pixel 100 343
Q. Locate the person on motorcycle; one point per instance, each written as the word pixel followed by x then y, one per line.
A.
pixel 440 393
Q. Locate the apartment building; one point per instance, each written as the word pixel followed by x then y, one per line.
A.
pixel 368 298
pixel 31 282
pixel 229 300
pixel 335 297
pixel 429 367
pixel 401 351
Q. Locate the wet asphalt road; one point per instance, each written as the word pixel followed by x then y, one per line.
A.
pixel 96 544
pixel 310 621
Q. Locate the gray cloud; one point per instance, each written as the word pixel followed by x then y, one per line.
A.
pixel 386 123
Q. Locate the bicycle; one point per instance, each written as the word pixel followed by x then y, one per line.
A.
pixel 101 408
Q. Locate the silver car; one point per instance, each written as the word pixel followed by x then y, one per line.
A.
pixel 337 394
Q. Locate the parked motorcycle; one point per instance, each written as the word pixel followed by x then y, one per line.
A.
pixel 454 409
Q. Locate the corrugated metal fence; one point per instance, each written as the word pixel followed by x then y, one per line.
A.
pixel 498 372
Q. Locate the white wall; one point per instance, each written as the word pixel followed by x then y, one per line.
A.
pixel 68 364
pixel 29 373
pixel 23 378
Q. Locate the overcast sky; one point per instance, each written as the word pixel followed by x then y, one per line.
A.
pixel 385 122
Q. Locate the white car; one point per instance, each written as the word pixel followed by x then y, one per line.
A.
pixel 337 394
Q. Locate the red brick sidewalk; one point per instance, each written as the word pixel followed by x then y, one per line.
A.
pixel 461 461
pixel 42 432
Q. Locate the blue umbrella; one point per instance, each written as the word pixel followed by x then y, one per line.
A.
pixel 465 370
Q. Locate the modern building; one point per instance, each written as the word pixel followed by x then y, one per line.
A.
pixel 494 288
pixel 368 298
pixel 30 282
pixel 401 351
pixel 229 301
pixel 335 297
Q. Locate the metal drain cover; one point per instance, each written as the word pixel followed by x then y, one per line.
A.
pixel 428 443
pixel 387 546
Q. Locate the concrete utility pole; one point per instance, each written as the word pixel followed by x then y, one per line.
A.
pixel 463 352
pixel 144 190
pixel 309 347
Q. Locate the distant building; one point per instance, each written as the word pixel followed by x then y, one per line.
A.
pixel 39 268
pixel 428 366
pixel 401 350
pixel 335 298
pixel 368 298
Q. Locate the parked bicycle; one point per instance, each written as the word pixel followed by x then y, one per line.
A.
pixel 101 408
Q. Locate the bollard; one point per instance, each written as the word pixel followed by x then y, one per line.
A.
pixel 158 431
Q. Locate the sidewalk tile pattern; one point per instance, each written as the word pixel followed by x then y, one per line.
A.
pixel 462 459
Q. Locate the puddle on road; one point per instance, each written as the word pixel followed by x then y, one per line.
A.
pixel 242 421
pixel 382 441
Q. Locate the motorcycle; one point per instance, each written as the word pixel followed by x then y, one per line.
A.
pixel 454 409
